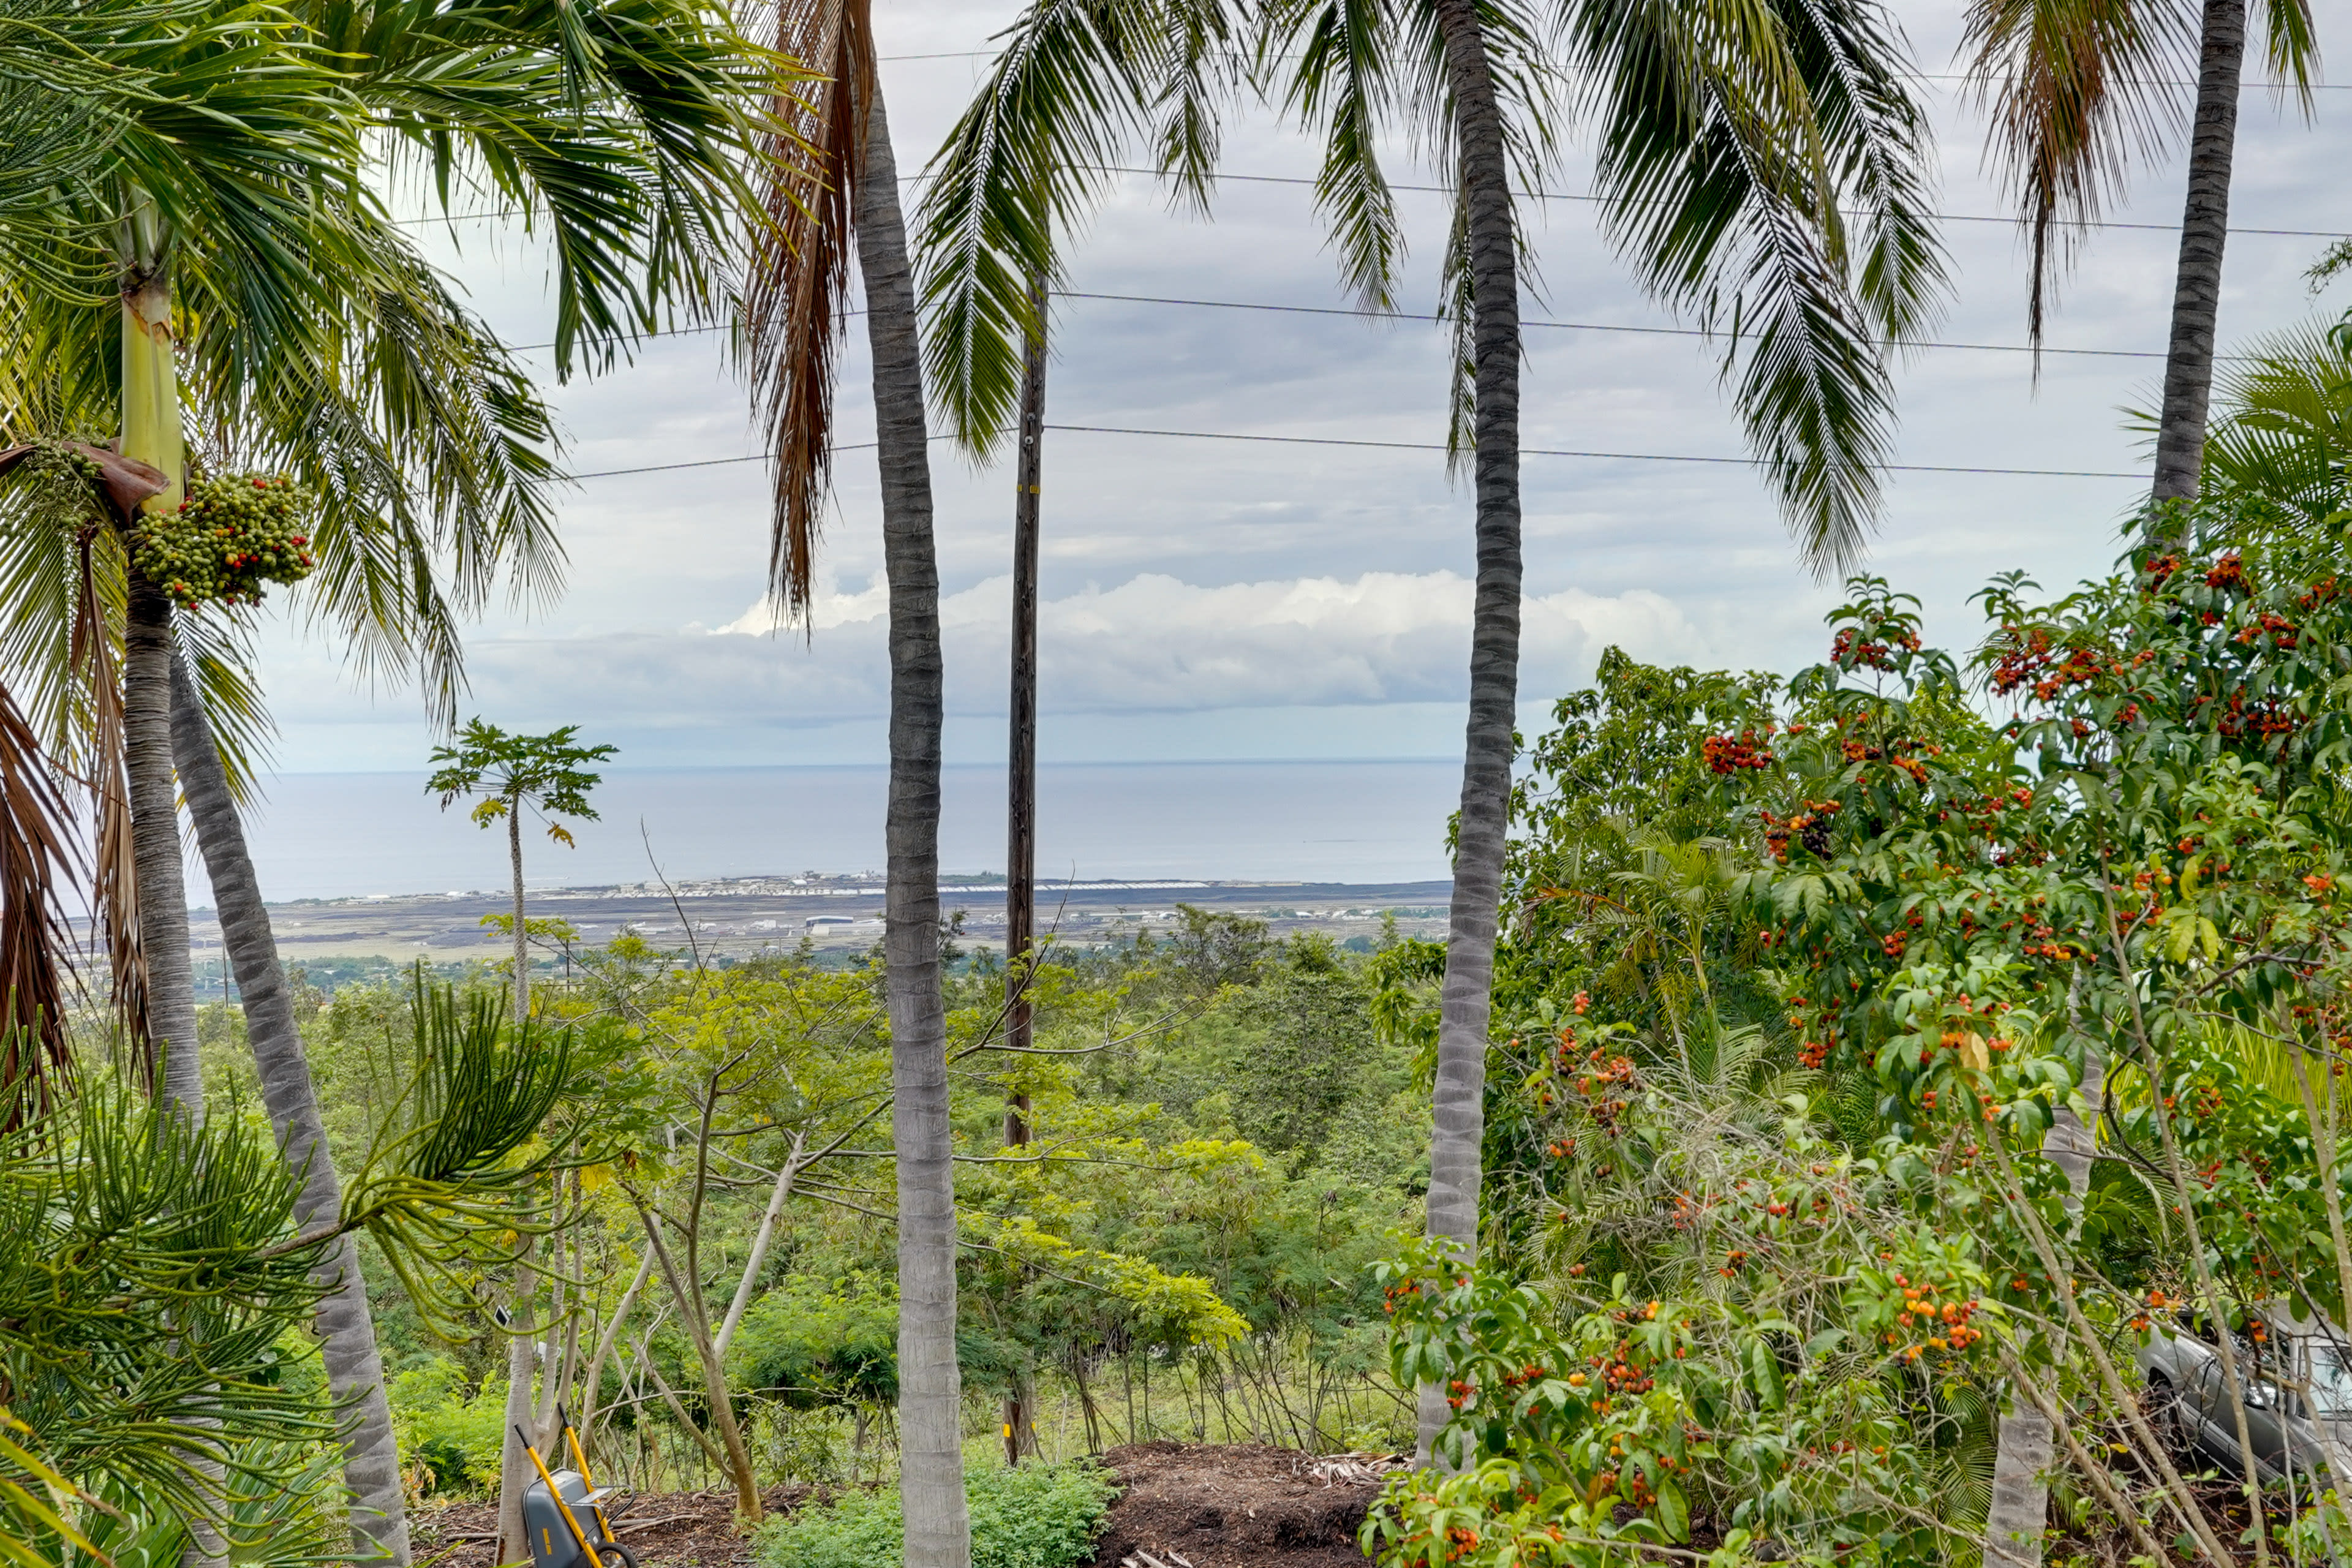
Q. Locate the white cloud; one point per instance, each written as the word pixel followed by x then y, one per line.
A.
pixel 1151 644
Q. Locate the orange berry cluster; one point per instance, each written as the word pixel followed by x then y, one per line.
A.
pixel 1941 1326
pixel 2282 631
pixel 1730 753
pixel 1617 1373
pixel 1852 649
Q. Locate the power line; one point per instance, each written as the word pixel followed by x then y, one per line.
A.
pixel 1573 196
pixel 1569 326
pixel 1358 313
pixel 1568 452
pixel 1413 447
pixel 699 463
pixel 1916 75
pixel 1531 195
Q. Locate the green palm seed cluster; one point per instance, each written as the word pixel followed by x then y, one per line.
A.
pixel 232 535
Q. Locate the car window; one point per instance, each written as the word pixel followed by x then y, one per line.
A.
pixel 2331 1377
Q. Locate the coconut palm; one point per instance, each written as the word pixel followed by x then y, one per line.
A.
pixel 1733 137
pixel 2080 88
pixel 330 350
pixel 834 188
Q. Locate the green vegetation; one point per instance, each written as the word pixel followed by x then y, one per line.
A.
pixel 1223 1141
pixel 1039 1516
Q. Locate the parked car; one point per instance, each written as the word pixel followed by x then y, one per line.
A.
pixel 2298 1389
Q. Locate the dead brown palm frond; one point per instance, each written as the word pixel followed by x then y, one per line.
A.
pixel 799 287
pixel 2076 89
pixel 114 890
pixel 36 860
pixel 115 487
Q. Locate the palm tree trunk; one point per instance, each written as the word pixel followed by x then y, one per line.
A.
pixel 345 1327
pixel 152 433
pixel 2019 1509
pixel 1456 1171
pixel 938 1532
pixel 1021 783
pixel 147 658
pixel 2204 227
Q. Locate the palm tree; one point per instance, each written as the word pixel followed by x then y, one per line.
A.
pixel 1732 140
pixel 2078 87
pixel 331 350
pixel 2282 425
pixel 834 184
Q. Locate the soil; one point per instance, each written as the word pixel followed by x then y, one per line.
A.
pixel 1180 1506
pixel 1230 1506
pixel 674 1530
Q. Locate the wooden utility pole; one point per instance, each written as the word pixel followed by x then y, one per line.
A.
pixel 1020 785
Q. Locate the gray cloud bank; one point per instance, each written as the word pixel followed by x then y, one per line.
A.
pixel 1151 644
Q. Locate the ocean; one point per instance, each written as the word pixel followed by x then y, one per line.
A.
pixel 324 836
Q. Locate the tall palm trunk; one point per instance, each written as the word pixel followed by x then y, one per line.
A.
pixel 2204 228
pixel 347 1331
pixel 1021 786
pixel 2018 1512
pixel 939 1531
pixel 151 434
pixel 1455 1172
pixel 155 845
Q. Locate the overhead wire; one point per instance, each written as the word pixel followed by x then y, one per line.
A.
pixel 1914 75
pixel 1529 193
pixel 1401 447
pixel 1358 313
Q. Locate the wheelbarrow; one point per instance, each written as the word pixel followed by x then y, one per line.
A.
pixel 563 1513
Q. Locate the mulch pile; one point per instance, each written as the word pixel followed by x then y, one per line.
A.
pixel 1180 1506
pixel 1235 1506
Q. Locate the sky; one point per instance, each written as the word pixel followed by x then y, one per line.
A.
pixel 1207 599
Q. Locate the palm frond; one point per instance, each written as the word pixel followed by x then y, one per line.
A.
pixel 38 862
pixel 1073 80
pixel 1345 53
pixel 2281 425
pixel 1734 137
pixel 798 284
pixel 2076 88
pixel 114 889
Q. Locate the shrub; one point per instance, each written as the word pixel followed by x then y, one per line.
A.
pixel 456 1436
pixel 1039 1516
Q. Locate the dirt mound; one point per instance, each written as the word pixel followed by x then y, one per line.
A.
pixel 1234 1506
pixel 1180 1506
pixel 688 1529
